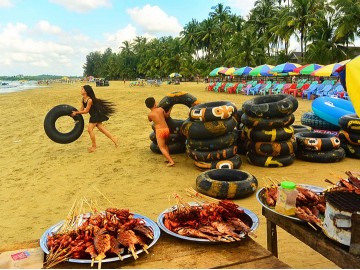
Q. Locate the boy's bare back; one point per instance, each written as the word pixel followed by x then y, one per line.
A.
pixel 157 115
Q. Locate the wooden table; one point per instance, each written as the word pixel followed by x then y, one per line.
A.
pixel 316 239
pixel 171 252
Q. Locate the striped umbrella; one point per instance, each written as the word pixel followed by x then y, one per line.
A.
pixel 263 70
pixel 329 70
pixel 230 71
pixel 243 71
pixel 307 69
pixel 284 68
pixel 350 80
pixel 215 71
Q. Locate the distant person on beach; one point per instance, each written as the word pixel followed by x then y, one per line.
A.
pixel 99 111
pixel 162 132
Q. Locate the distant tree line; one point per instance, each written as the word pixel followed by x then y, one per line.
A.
pixel 324 30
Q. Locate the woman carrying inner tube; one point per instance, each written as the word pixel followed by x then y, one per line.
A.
pixel 99 111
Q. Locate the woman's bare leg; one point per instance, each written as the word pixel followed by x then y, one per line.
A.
pixel 91 127
pixel 102 128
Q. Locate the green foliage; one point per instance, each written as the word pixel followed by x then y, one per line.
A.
pixel 322 28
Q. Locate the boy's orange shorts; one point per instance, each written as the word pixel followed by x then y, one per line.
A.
pixel 163 133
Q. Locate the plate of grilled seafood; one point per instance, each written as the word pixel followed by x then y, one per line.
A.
pixel 223 221
pixel 310 202
pixel 111 235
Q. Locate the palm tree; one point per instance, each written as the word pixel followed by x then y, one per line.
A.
pixel 347 19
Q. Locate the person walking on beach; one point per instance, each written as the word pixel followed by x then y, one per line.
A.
pixel 162 132
pixel 99 111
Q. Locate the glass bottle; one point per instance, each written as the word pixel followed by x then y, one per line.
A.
pixel 286 199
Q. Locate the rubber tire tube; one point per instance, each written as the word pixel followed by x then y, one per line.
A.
pixel 352 151
pixel 315 141
pixel 177 98
pixel 226 183
pixel 272 135
pixel 314 121
pixel 174 148
pixel 270 161
pixel 238 115
pixel 174 125
pixel 216 143
pixel 207 156
pixel 212 111
pixel 174 137
pixel 272 148
pixel 270 106
pixel 350 137
pixel 350 122
pixel 229 163
pixel 50 128
pixel 330 156
pixel 301 128
pixel 207 130
pixel 267 123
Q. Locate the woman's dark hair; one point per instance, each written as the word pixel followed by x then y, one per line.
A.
pixel 104 106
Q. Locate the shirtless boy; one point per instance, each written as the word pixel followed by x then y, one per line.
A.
pixel 158 116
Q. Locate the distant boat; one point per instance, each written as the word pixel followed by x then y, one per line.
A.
pixel 4 83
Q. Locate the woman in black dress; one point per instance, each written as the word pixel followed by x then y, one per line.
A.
pixel 99 111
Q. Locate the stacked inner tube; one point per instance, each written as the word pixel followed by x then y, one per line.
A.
pixel 176 141
pixel 318 147
pixel 226 183
pixel 211 138
pixel 267 127
pixel 312 120
pixel 350 135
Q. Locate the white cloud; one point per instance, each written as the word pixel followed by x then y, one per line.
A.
pixel 6 3
pixel 46 27
pixel 82 5
pixel 240 7
pixel 26 52
pixel 153 20
pixel 115 40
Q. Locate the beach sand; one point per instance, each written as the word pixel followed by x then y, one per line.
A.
pixel 40 179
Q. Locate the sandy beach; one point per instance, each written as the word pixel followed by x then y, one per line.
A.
pixel 40 179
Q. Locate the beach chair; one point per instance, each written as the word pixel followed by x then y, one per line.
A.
pixel 239 88
pixel 278 89
pixel 218 84
pixel 292 86
pixel 323 91
pixel 232 89
pixel 210 87
pixel 255 90
pixel 227 86
pixel 310 91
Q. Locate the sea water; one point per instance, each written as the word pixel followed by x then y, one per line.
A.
pixel 16 86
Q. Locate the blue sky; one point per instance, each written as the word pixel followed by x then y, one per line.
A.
pixel 54 36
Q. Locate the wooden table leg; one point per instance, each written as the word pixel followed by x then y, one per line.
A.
pixel 272 237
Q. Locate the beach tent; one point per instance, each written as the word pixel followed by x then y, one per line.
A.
pixel 350 79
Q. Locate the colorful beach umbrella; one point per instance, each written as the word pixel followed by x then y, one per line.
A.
pixel 350 80
pixel 329 70
pixel 242 71
pixel 307 69
pixel 230 71
pixel 215 71
pixel 284 68
pixel 175 75
pixel 263 70
pixel 222 71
